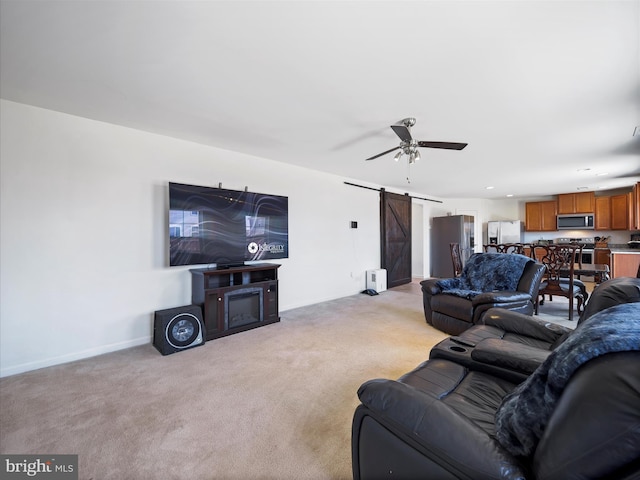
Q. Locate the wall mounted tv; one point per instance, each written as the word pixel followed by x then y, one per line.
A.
pixel 227 227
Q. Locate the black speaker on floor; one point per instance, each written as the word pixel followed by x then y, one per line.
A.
pixel 177 329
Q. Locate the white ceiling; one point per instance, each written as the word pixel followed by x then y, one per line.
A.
pixel 538 89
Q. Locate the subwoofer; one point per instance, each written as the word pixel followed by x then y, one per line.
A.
pixel 177 329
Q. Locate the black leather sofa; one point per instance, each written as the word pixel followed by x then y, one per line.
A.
pixel 513 345
pixel 576 416
pixel 488 280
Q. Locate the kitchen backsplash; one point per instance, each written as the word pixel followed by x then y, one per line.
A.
pixel 614 237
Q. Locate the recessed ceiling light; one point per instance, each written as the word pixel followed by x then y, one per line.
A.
pixel 510 195
pixel 489 188
pixel 602 174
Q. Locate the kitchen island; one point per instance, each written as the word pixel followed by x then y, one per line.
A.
pixel 625 262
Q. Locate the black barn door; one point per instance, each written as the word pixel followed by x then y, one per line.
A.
pixel 395 213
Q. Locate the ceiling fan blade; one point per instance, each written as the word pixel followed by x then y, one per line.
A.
pixel 403 132
pixel 446 145
pixel 381 154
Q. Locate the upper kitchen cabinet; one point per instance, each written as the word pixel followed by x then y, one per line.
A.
pixel 620 212
pixel 541 216
pixel 602 213
pixel 614 212
pixel 635 207
pixel 583 202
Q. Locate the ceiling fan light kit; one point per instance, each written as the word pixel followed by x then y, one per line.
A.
pixel 410 149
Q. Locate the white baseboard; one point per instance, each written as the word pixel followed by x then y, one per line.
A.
pixel 71 357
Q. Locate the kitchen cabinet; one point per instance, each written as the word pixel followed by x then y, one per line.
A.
pixel 602 255
pixel 620 212
pixel 541 216
pixel 602 220
pixel 630 213
pixel 635 207
pixel 613 212
pixel 583 202
pixel 624 264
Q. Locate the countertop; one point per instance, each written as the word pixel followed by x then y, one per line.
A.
pixel 633 251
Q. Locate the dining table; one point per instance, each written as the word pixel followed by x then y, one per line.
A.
pixel 599 271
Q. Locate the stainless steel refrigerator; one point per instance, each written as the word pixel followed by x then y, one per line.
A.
pixel 447 230
pixel 510 231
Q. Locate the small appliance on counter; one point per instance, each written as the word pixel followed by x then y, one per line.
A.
pixel 635 241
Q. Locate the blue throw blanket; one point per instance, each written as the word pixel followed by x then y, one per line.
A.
pixel 486 272
pixel 525 412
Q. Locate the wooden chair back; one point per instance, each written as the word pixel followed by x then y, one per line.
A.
pixel 456 258
pixel 559 261
pixel 505 248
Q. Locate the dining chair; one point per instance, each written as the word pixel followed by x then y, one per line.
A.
pixel 519 248
pixel 559 261
pixel 456 258
pixel 504 248
pixel 494 248
pixel 578 258
pixel 577 277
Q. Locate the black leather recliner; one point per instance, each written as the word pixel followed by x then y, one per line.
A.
pixel 488 280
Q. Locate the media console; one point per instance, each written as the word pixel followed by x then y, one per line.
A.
pixel 236 299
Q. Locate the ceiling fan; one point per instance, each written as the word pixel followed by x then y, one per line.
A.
pixel 409 146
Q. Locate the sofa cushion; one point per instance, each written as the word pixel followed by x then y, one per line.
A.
pixel 523 415
pixel 446 413
pixel 413 399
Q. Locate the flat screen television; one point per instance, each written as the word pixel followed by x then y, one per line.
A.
pixel 225 227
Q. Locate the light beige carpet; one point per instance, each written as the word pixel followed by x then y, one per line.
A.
pixel 275 402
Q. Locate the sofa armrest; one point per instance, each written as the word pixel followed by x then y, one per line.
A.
pixel 430 286
pixel 526 325
pixel 510 355
pixel 501 297
pixel 442 433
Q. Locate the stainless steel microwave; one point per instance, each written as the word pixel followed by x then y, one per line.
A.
pixel 582 221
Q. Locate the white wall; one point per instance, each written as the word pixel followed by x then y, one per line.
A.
pixel 83 249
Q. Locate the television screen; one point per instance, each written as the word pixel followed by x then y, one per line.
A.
pixel 225 227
